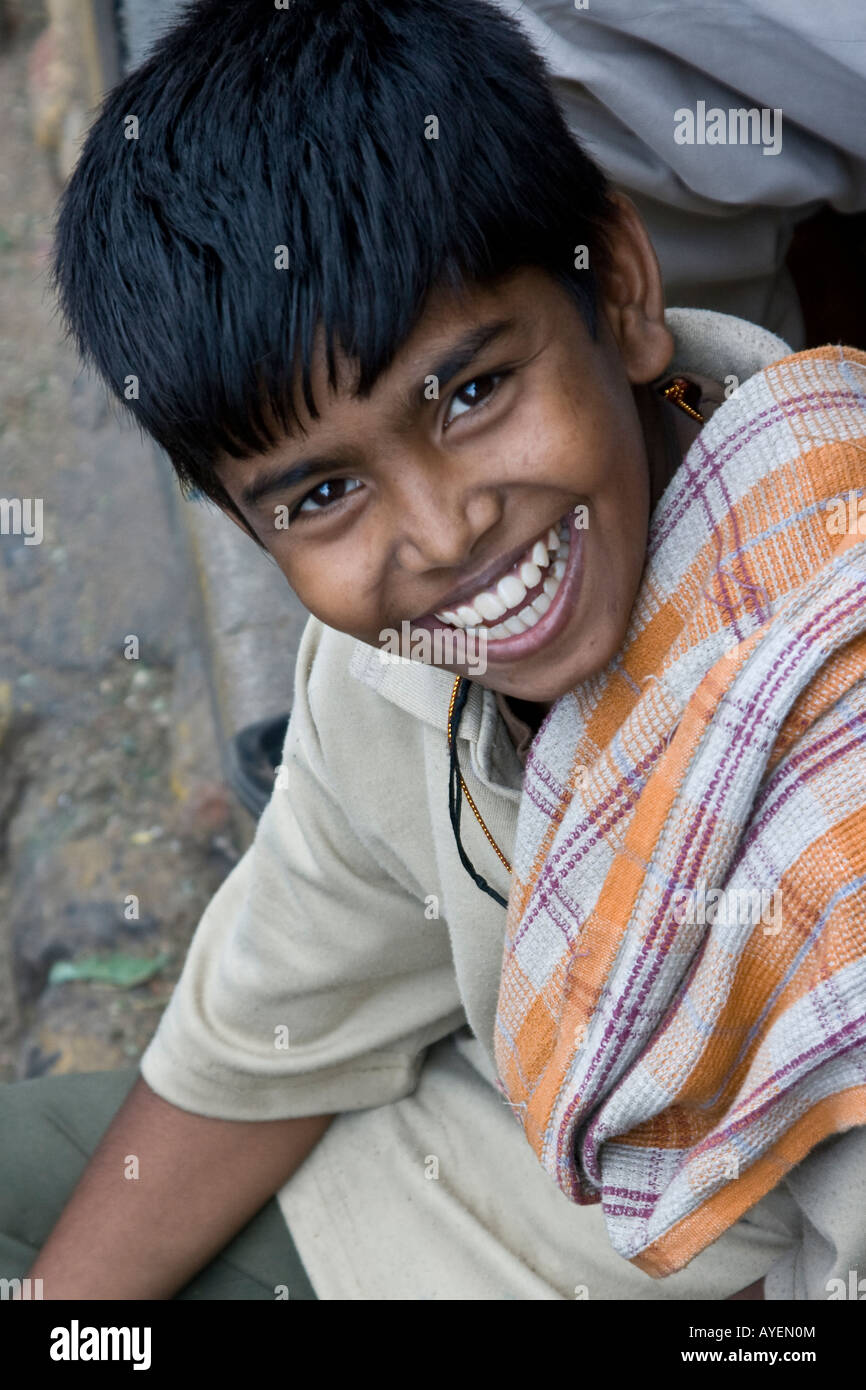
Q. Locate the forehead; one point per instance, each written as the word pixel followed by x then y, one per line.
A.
pixel 447 315
pixel 453 329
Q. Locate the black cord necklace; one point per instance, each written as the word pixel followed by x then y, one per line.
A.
pixel 457 789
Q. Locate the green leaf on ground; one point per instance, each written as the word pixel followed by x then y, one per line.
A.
pixel 119 969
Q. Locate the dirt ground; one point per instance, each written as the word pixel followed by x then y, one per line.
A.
pixel 115 825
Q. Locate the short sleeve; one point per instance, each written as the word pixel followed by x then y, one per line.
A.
pixel 314 981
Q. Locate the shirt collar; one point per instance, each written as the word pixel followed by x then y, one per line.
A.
pixel 424 691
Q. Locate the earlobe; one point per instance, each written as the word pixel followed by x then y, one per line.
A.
pixel 632 297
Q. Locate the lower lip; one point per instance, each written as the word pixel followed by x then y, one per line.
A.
pixel 524 644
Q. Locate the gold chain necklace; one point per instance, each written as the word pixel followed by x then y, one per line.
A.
pixel 463 785
pixel 677 390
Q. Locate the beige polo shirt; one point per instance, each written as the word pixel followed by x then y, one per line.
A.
pixel 349 965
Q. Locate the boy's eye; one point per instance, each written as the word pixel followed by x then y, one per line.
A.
pixel 476 397
pixel 478 392
pixel 322 496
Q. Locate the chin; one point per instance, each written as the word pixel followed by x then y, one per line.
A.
pixel 546 687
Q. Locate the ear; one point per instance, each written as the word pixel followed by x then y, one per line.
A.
pixel 632 298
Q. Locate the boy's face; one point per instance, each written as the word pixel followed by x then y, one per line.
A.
pixel 426 510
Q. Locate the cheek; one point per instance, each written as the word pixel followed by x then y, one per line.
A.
pixel 619 514
pixel 602 456
pixel 596 432
pixel 335 590
pixel 609 466
pixel 616 554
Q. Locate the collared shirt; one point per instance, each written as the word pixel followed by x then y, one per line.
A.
pixel 349 965
pixel 520 733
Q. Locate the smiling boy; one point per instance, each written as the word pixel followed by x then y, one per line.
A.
pixel 455 494
pixel 331 1040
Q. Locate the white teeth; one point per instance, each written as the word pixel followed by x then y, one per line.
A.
pixel 541 604
pixel 510 590
pixel 528 616
pixel 551 556
pixel 540 555
pixel 489 606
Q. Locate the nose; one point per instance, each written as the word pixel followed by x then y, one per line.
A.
pixel 442 516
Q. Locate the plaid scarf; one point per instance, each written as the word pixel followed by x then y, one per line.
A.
pixel 682 1008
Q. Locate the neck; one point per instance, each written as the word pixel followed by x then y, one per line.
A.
pixel 669 433
pixel 530 711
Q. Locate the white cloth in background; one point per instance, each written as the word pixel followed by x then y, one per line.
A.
pixel 720 216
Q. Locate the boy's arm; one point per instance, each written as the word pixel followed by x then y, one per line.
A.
pixel 200 1181
pixel 314 982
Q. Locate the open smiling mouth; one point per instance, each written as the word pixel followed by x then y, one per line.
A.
pixel 528 602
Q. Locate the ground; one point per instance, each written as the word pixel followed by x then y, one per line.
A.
pixel 115 825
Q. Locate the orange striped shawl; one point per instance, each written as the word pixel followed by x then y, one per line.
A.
pixel 667 1062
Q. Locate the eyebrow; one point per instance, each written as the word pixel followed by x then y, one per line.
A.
pixel 458 357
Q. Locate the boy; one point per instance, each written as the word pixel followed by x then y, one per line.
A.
pixel 389 185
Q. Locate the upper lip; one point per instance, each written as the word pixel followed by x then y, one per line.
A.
pixel 482 579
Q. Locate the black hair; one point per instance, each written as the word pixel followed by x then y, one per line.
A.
pixel 306 127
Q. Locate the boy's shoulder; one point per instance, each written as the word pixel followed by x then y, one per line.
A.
pixel 334 665
pixel 720 345
pixel 347 691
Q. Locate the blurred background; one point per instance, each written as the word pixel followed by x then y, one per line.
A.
pixel 116 822
pixel 143 633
